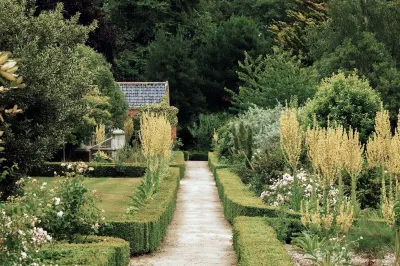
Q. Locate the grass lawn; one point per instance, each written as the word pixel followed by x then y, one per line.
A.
pixel 113 192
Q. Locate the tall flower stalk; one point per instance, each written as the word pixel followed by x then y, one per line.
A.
pixel 291 141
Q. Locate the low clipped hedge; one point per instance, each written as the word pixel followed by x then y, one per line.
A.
pixel 198 156
pixel 214 164
pixel 255 243
pixel 145 229
pixel 179 161
pixel 100 170
pixel 238 200
pixel 100 251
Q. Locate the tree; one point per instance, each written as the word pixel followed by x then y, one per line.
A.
pixel 103 39
pixel 138 22
pixel 347 100
pixel 275 78
pixel 104 80
pixel 355 38
pixel 57 79
pixel 218 58
pixel 170 59
pixel 290 30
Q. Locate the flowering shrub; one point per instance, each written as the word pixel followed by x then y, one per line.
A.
pixel 20 234
pixel 70 208
pixel 281 191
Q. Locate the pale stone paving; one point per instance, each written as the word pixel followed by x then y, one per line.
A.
pixel 198 233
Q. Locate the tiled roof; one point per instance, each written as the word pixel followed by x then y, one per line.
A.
pixel 143 93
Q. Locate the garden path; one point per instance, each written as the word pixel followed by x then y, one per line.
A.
pixel 198 233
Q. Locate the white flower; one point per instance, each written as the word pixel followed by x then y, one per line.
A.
pixel 23 255
pixel 57 201
pixel 69 166
pixel 361 238
pixel 55 173
pixel 91 168
pixel 276 204
pixel 60 213
pixel 63 164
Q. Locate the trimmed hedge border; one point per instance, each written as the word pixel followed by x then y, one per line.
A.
pixel 179 161
pixel 103 251
pixel 214 164
pixel 145 230
pixel 109 169
pixel 238 200
pixel 100 170
pixel 256 244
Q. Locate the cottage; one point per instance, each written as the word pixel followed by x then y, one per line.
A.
pixel 140 94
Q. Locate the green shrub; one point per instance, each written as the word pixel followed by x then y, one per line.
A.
pixel 377 236
pixel 348 100
pixel 100 170
pixel 204 130
pixel 238 200
pixel 145 229
pixel 256 244
pixel 198 156
pixel 101 251
pixel 285 228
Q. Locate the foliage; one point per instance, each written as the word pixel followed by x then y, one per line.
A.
pixel 156 141
pixel 202 131
pixel 347 100
pixel 290 137
pixel 57 79
pixel 104 80
pixel 129 130
pixel 21 236
pixel 354 38
pixel 100 135
pixel 170 59
pixel 130 154
pixel 9 80
pixel 218 58
pixel 290 32
pixel 268 80
pixel 101 157
pixel 71 206
pixel 162 108
pixel 377 237
pixel 334 251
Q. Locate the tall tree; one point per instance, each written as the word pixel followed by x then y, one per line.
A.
pixel 354 38
pixel 57 80
pixel 170 58
pixel 103 38
pixel 219 57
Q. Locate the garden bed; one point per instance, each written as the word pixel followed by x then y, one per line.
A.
pixel 145 229
pixel 113 192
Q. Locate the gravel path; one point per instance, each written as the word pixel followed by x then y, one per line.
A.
pixel 198 233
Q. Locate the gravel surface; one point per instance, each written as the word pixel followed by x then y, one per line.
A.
pixel 198 233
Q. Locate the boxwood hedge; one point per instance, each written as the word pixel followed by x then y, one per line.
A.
pixel 255 243
pixel 99 251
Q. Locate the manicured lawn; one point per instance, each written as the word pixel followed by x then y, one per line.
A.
pixel 113 192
